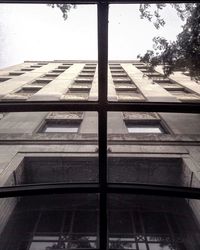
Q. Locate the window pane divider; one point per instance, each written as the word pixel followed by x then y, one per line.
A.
pixel 118 188
pixel 50 188
pixel 102 118
pixel 102 107
pixel 96 106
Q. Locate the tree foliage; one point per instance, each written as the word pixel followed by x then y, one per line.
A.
pixel 153 12
pixel 182 54
pixel 65 8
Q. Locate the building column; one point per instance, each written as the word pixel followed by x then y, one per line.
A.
pixel 152 92
pixel 17 82
pixel 183 80
pixel 58 87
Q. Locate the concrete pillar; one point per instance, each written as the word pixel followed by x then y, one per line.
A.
pixel 116 123
pixel 90 119
pixel 17 82
pixel 112 95
pixel 59 86
pixel 183 80
pixel 89 124
pixel 152 92
pixel 93 95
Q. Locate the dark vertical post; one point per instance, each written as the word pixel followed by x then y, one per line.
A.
pixel 102 122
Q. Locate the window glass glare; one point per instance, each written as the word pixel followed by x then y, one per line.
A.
pixel 155 129
pixel 42 245
pixel 158 246
pixel 61 128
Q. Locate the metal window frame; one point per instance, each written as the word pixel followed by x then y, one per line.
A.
pixel 102 106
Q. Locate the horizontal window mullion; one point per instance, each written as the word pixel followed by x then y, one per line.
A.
pixel 51 188
pixel 96 106
pixel 48 106
pixel 62 188
pixel 155 190
pixel 93 1
pixel 154 107
pixel 148 2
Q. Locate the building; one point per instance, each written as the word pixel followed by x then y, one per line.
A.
pixel 56 147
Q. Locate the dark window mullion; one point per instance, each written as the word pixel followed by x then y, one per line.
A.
pixel 41 106
pixel 102 119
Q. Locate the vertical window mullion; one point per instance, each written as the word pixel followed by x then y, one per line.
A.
pixel 102 119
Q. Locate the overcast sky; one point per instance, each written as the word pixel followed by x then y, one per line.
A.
pixel 38 32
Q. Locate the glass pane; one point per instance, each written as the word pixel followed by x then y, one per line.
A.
pixel 48 217
pixel 154 222
pixel 36 153
pixel 46 224
pixel 152 214
pixel 151 56
pixel 144 129
pixel 61 128
pixel 153 148
pixel 58 61
pixel 158 246
pixel 120 222
pixel 81 222
pixel 43 245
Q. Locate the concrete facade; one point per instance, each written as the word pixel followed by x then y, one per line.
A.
pixel 29 155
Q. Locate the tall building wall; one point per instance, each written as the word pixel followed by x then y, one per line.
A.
pixel 149 148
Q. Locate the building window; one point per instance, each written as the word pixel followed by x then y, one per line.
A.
pixel 42 63
pixel 145 127
pixel 36 66
pixel 58 71
pixel 77 94
pixel 41 81
pixel 51 75
pixel 64 67
pixel 27 91
pixel 2 79
pixel 129 95
pixel 15 73
pixel 61 126
pixel 27 69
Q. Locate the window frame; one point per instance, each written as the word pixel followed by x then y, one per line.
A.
pixel 75 124
pixel 102 106
pixel 145 124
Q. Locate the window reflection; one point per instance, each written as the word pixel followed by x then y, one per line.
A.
pixel 55 222
pixel 65 222
pixel 151 224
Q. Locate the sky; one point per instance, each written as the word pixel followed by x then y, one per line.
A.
pixel 38 32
